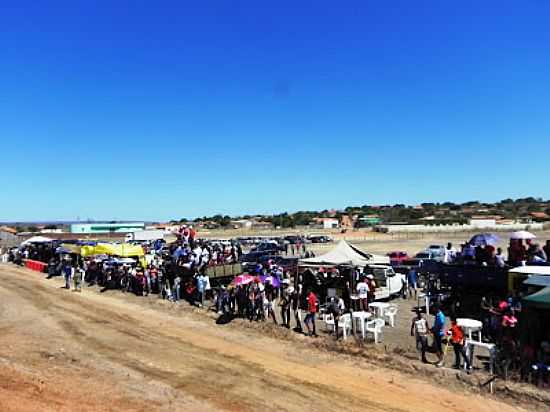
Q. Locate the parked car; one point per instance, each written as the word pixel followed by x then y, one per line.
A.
pixel 319 239
pixel 250 261
pixel 437 250
pixel 269 246
pixel 398 257
pixel 423 257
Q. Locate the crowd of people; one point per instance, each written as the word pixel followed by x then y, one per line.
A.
pixel 270 293
pixel 519 252
pixel 174 272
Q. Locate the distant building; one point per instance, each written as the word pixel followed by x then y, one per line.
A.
pixel 242 224
pixel 107 227
pixel 539 216
pixel 51 231
pixel 483 223
pixel 258 225
pixel 329 222
pixel 369 220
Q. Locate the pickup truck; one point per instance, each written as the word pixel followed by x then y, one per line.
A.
pixel 388 282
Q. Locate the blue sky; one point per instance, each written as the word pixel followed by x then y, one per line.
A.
pixel 159 110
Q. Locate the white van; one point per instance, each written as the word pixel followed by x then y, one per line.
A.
pixel 388 282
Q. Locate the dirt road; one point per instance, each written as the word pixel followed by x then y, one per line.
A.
pixel 63 351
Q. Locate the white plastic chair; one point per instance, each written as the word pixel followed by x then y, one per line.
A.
pixel 344 323
pixel 375 327
pixel 328 318
pixel 390 314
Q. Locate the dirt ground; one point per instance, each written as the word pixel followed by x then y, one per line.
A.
pixel 64 351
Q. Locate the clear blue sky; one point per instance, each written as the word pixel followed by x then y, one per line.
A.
pixel 157 110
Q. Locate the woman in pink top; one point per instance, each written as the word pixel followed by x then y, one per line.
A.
pixel 509 322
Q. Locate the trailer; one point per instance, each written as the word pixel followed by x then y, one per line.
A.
pixel 145 235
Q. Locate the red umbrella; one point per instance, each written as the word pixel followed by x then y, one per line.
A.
pixel 243 279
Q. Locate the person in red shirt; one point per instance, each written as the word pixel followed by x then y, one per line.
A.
pixel 457 339
pixel 312 310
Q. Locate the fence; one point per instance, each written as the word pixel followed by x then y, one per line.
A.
pixel 218 271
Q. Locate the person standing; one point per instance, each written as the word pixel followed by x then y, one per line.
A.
pixel 412 280
pixel 336 308
pixel 269 301
pixel 286 302
pixel 419 329
pixel 499 259
pixel 312 310
pixel 78 275
pixel 297 305
pixel 372 288
pixel 457 339
pixel 363 292
pixel 68 272
pixel 438 331
pixel 450 254
pixel 201 288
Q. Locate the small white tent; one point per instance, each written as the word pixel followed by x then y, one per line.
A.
pixel 36 239
pixel 345 254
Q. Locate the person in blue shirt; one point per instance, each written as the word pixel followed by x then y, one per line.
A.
pixel 438 331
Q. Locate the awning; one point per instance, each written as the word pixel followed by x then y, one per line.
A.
pixel 537 280
pixel 531 270
pixel 539 300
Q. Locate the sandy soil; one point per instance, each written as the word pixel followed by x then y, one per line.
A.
pixel 63 351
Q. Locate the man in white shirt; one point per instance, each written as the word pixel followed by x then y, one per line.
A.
pixel 450 254
pixel 363 292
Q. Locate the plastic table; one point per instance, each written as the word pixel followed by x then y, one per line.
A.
pixel 470 326
pixel 379 308
pixel 362 318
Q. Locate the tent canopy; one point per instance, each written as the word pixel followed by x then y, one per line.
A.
pixel 37 239
pixel 345 254
pixel 110 249
pixel 540 299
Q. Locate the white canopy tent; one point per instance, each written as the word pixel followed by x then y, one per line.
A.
pixel 345 254
pixel 37 239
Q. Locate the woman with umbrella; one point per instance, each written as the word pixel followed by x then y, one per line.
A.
pixel 484 244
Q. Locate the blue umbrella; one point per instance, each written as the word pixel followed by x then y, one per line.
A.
pixel 484 239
